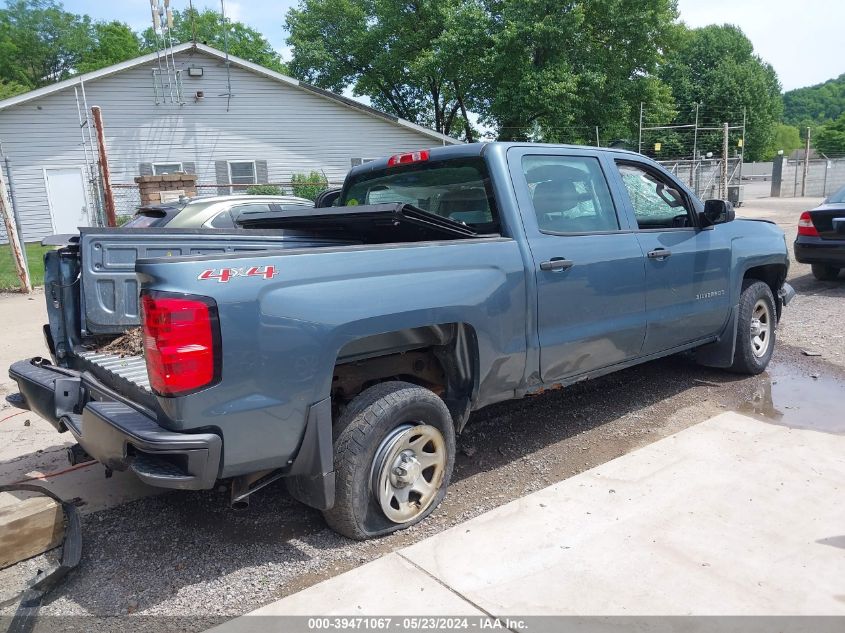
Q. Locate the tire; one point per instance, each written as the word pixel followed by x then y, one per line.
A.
pixel 755 342
pixel 824 272
pixel 381 428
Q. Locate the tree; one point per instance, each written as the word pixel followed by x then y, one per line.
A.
pixel 111 43
pixel 585 63
pixel 40 43
pixel 716 66
pixel 206 26
pixel 786 138
pixel 408 58
pixel 528 68
pixel 830 139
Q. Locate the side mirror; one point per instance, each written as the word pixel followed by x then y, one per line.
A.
pixel 717 212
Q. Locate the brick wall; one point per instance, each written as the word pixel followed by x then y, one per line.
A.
pixel 151 187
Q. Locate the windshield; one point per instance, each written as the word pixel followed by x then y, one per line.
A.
pixel 458 189
pixel 838 197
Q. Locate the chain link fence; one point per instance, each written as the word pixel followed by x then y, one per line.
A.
pixel 704 176
pixel 824 176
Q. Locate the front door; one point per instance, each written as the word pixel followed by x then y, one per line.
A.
pixel 688 297
pixel 66 198
pixel 589 268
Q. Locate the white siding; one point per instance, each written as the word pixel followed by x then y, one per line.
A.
pixel 291 128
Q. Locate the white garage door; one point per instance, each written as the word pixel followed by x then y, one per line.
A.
pixel 66 197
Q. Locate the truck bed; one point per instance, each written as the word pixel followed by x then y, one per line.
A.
pixel 131 369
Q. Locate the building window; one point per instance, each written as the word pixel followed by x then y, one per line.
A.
pixel 241 174
pixel 159 169
pixel 361 161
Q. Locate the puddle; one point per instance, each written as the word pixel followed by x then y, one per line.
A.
pixel 791 397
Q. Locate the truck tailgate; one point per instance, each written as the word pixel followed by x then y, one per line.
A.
pixel 118 368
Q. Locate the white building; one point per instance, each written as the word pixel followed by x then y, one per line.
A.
pixel 236 122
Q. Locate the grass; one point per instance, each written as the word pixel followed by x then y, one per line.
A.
pixel 35 257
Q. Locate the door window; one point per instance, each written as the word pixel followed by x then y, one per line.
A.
pixel 656 204
pixel 569 194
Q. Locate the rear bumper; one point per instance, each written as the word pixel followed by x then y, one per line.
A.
pixel 814 250
pixel 115 432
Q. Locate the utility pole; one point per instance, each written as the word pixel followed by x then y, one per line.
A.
pixel 806 164
pixel 12 236
pixel 598 143
pixel 692 166
pixel 723 189
pixel 640 142
pixel 105 173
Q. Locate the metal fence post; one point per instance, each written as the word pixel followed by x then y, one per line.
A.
pixel 723 186
pixel 806 165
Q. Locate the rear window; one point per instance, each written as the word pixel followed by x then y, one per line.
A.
pixel 458 189
pixel 145 220
pixel 837 197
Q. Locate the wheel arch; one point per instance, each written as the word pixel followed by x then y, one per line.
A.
pixel 442 357
pixel 773 275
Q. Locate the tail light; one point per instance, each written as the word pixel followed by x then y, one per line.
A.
pixel 181 342
pixel 407 159
pixel 806 226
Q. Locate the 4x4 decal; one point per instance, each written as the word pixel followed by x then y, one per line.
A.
pixel 224 275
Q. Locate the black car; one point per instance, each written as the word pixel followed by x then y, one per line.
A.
pixel 821 237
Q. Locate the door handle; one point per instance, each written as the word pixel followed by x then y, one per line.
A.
pixel 659 253
pixel 557 264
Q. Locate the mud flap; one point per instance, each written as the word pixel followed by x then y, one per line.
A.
pixel 312 476
pixel 721 353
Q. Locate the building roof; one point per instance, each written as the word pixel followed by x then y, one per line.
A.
pixel 32 95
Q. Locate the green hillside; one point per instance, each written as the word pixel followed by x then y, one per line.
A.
pixel 815 104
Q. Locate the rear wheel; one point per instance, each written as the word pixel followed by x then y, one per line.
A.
pixel 394 454
pixel 755 335
pixel 825 272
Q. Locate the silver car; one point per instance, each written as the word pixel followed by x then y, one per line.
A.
pixel 216 212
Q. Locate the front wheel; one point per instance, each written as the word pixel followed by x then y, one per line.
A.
pixel 394 450
pixel 755 334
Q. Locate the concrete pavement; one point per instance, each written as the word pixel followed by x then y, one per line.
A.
pixel 734 516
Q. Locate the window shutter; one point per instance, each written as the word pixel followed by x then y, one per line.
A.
pixel 221 174
pixel 189 168
pixel 145 169
pixel 261 176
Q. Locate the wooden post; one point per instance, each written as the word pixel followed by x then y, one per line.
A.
pixel 108 194
pixel 806 164
pixel 12 234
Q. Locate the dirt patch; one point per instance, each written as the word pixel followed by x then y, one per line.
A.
pixel 131 343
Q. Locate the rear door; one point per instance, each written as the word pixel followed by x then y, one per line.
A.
pixel 687 268
pixel 589 268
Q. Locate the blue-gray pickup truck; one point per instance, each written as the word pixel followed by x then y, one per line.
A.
pixel 342 349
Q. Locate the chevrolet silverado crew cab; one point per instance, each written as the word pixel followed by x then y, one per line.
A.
pixel 342 349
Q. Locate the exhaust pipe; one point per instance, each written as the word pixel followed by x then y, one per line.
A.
pixel 245 485
pixel 239 500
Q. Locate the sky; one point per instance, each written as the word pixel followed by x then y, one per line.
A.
pixel 802 40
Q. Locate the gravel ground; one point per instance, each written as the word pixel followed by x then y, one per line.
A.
pixel 188 554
